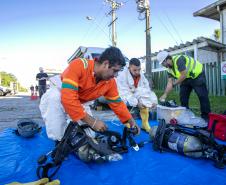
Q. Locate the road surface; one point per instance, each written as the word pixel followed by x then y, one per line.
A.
pixel 14 108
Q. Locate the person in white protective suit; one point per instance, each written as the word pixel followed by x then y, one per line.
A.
pixel 135 91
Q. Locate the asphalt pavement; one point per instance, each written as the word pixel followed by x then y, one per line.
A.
pixel 20 106
pixel 14 108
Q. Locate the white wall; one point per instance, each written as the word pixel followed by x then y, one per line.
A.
pixel 206 56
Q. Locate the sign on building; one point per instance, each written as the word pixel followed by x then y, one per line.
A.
pixel 223 70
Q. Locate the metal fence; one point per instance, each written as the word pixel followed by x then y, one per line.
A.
pixel 215 85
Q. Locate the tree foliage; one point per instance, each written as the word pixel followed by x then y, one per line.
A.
pixel 6 78
pixel 21 89
pixel 217 34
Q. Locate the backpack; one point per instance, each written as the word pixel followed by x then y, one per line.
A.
pixel 217 125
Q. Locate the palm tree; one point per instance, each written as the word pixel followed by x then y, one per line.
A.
pixel 217 34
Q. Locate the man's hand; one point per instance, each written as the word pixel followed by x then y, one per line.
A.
pixel 140 105
pixel 182 77
pixel 43 78
pixel 95 124
pixel 154 105
pixel 99 126
pixel 132 124
pixel 163 97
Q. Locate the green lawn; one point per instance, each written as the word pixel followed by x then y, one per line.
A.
pixel 218 103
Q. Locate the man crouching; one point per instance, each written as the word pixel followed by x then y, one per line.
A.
pixel 81 82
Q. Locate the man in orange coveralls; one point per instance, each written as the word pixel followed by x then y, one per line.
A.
pixel 86 80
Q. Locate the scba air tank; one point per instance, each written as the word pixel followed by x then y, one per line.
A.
pixel 179 142
pixel 184 144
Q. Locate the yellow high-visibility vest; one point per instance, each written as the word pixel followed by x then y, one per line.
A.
pixel 193 67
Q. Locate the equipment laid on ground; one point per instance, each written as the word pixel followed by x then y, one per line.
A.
pixel 106 146
pixel 188 141
pixel 175 114
pixel 168 112
pixel 27 128
pixel 170 103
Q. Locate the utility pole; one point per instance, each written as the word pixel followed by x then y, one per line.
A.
pixel 114 6
pixel 148 43
pixel 143 7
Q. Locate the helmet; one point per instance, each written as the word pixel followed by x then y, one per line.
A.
pixel 162 56
pixel 27 128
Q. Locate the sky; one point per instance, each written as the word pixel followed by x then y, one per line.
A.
pixel 45 33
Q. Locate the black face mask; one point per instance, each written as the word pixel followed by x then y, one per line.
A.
pixel 168 65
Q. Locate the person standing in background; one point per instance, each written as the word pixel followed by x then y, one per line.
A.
pixel 32 90
pixel 41 78
pixel 36 90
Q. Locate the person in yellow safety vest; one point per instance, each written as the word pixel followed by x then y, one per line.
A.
pixel 189 74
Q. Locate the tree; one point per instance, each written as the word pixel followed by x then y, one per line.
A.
pixel 21 89
pixel 6 78
pixel 217 34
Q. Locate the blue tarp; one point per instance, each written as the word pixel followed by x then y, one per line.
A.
pixel 18 162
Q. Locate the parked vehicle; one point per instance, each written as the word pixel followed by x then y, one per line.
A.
pixel 86 52
pixel 5 91
pixel 89 53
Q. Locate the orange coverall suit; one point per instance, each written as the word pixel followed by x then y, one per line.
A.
pixel 79 86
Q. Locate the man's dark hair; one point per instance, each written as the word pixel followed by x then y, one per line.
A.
pixel 114 56
pixel 135 62
pixel 168 57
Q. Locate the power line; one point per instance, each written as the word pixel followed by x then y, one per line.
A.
pixel 128 27
pixel 168 30
pixel 114 6
pixel 174 27
pixel 124 2
pixel 89 29
pixel 98 25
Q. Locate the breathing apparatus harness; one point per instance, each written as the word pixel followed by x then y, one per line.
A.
pixel 210 149
pixel 109 143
